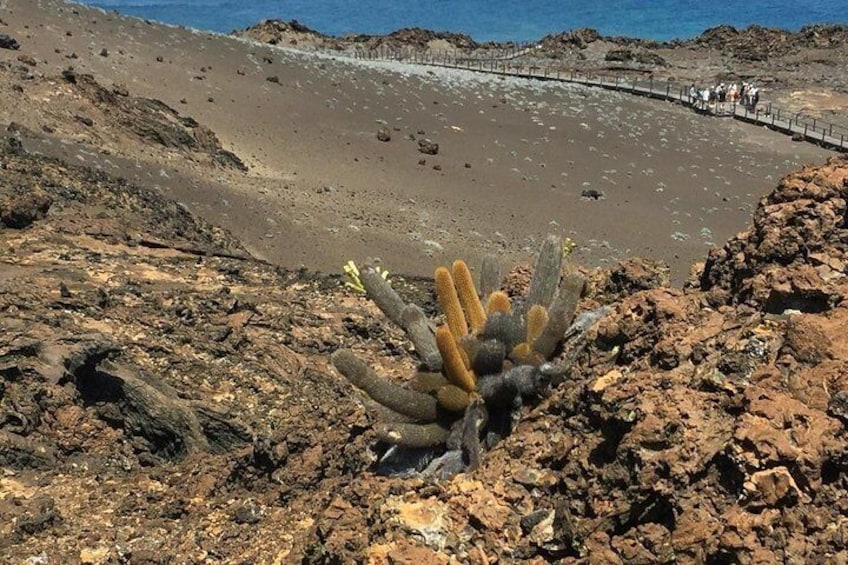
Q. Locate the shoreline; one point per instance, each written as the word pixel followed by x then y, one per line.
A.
pixel 795 69
pixel 307 24
pixel 470 42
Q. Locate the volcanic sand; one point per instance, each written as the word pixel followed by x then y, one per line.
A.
pixel 514 157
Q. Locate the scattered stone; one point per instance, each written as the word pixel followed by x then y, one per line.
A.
pixel 64 291
pixel 92 555
pixel 384 134
pixel 249 512
pixel 69 75
pixel 8 42
pixel 274 78
pixel 428 147
pixel 592 194
pixel 84 120
pixel 40 516
pixel 27 60
pixel 485 511
pixel 437 167
pixel 104 52
pixel 427 518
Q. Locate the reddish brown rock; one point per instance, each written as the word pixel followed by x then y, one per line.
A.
pixel 797 230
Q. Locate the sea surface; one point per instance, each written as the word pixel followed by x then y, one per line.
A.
pixel 498 20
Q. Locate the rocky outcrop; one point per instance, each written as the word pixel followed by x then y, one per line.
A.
pixel 154 375
pixel 794 256
pixel 122 330
pixel 577 38
pixel 418 38
pixel 642 57
pixel 153 121
pixel 278 32
pixel 754 43
pixel 757 43
pixel 822 36
pixel 694 429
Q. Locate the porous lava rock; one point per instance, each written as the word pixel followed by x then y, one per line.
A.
pixel 8 42
pixel 794 255
pixel 698 426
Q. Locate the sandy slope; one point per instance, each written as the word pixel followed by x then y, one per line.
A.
pixel 514 157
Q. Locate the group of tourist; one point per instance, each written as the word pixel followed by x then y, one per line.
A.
pixel 720 95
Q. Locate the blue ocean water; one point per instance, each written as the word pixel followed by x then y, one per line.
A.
pixel 499 20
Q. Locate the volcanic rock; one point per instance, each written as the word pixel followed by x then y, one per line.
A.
pixel 8 42
pixel 18 211
pixel 428 147
pixel 794 255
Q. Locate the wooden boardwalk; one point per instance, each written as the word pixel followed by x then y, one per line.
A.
pixel 504 63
